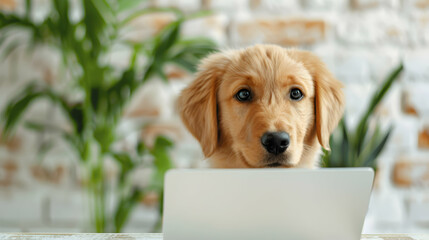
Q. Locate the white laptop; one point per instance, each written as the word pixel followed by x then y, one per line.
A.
pixel 247 204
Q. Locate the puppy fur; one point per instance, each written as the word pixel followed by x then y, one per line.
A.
pixel 230 131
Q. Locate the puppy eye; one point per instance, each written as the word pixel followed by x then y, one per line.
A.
pixel 296 94
pixel 244 95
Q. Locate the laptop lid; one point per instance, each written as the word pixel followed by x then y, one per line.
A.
pixel 238 204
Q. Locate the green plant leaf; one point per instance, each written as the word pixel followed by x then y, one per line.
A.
pixel 35 126
pixel 105 136
pixel 77 143
pixel 62 10
pixel 168 36
pixel 162 160
pixel 197 49
pixel 188 53
pixel 335 158
pixel 124 207
pixel 373 137
pixel 39 127
pixel 345 144
pixel 95 24
pixel 370 160
pixel 11 48
pixel 325 158
pixel 16 107
pixel 19 104
pixel 163 42
pixel 9 20
pixel 129 4
pixel 28 7
pixel 126 163
pixel 75 113
pixel 375 100
pixel 150 69
pixel 360 136
pixel 126 86
pixel 187 64
pixel 141 147
pixel 43 149
pixel 158 224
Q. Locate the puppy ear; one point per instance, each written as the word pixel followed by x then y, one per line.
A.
pixel 329 105
pixel 329 97
pixel 198 102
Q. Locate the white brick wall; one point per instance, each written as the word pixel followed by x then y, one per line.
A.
pixel 360 40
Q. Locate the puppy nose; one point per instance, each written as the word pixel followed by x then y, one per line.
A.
pixel 275 142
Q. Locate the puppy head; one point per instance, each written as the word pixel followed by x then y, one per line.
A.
pixel 263 106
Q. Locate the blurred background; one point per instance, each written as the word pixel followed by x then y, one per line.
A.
pixel 88 92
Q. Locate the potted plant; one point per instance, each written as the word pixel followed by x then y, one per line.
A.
pixel 105 90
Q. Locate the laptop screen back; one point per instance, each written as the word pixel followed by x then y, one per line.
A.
pixel 266 204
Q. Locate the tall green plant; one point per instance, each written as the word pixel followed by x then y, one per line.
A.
pixel 84 46
pixel 360 147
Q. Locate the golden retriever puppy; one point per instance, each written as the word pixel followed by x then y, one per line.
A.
pixel 263 106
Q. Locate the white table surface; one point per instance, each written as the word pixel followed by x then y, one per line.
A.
pixel 158 236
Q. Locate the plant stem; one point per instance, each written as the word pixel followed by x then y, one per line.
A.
pixel 96 189
pixel 99 196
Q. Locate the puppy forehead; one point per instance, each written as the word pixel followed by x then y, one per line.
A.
pixel 264 67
